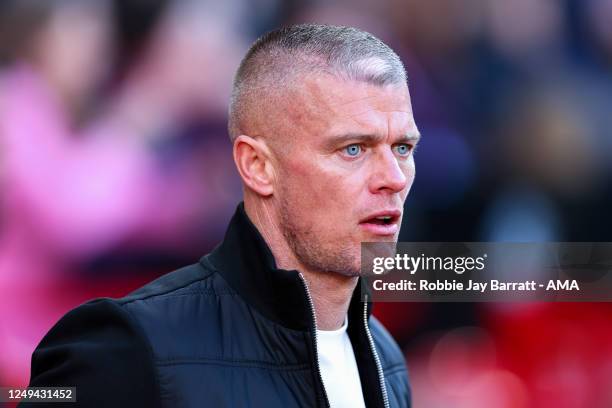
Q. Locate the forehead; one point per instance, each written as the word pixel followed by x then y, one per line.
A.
pixel 337 92
pixel 324 105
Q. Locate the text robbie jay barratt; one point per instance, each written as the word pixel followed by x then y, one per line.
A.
pixel 493 285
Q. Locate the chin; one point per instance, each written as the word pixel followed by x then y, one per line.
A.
pixel 379 238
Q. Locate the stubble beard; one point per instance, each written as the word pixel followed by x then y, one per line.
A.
pixel 311 252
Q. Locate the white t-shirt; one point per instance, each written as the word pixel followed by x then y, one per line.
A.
pixel 339 368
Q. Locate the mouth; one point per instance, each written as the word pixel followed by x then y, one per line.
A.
pixel 382 223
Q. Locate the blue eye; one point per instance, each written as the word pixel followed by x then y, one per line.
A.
pixel 402 149
pixel 353 150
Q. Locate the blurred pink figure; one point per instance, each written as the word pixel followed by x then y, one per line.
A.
pixel 69 192
pixel 74 187
pixel 65 195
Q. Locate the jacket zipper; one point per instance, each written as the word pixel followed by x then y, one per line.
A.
pixel 314 335
pixel 381 376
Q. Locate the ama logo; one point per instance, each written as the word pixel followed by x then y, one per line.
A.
pixel 562 285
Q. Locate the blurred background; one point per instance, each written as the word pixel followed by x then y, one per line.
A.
pixel 115 167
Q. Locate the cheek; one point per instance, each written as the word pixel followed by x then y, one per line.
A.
pixel 410 171
pixel 318 194
pixel 298 187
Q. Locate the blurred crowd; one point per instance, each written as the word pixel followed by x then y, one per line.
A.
pixel 115 166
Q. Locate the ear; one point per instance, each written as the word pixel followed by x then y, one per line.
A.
pixel 253 160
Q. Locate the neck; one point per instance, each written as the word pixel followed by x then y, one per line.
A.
pixel 331 292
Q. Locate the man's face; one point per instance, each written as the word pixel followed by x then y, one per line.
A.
pixel 344 170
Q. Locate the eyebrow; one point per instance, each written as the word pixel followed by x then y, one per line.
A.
pixel 368 138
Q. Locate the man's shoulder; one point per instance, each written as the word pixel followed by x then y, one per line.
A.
pixel 174 300
pixel 178 309
pixel 125 336
pixel 165 318
pixel 149 302
pixel 190 279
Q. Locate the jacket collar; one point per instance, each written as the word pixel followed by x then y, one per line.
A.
pixel 246 262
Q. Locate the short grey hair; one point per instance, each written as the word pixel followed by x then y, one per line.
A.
pixel 292 52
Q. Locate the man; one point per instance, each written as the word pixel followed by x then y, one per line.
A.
pixel 323 134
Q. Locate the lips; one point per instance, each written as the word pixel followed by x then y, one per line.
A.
pixel 383 223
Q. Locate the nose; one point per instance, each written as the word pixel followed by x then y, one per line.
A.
pixel 388 175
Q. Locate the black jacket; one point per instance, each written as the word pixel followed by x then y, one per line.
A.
pixel 229 331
